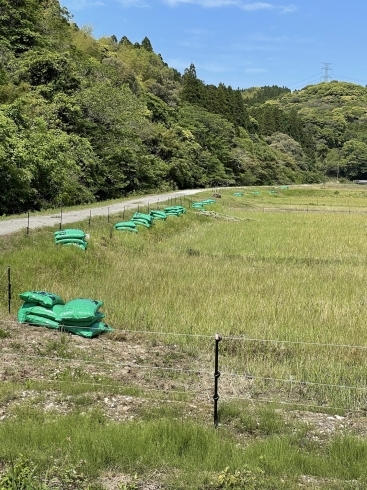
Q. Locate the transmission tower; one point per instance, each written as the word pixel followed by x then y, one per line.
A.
pixel 326 70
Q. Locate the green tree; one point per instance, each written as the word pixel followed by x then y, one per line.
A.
pixel 192 87
pixel 146 44
pixel 354 159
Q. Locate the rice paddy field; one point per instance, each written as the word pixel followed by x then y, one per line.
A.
pixel 279 273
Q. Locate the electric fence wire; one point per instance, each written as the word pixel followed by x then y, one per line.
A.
pixel 101 363
pixel 309 406
pixel 206 336
pixel 182 370
pixel 95 384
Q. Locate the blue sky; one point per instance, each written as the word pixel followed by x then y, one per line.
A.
pixel 241 43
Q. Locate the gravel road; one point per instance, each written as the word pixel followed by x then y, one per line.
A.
pixel 12 225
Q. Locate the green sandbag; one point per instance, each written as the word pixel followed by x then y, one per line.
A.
pixel 125 224
pixel 143 216
pixel 69 233
pixel 97 328
pixel 83 323
pixel 65 241
pixel 208 201
pixel 23 310
pixel 197 204
pixel 142 222
pixel 50 313
pixel 41 321
pixel 157 214
pixel 174 210
pixel 131 230
pixel 83 246
pixel 83 309
pixel 42 298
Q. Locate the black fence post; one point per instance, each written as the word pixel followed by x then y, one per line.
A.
pixel 28 224
pixel 90 217
pixel 60 218
pixel 108 215
pixel 9 290
pixel 218 338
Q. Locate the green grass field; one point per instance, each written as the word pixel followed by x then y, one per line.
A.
pixel 279 273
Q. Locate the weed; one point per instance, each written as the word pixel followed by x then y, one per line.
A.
pixel 3 334
pixel 21 474
pixel 244 478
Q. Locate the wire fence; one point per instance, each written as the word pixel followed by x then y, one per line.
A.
pixel 168 370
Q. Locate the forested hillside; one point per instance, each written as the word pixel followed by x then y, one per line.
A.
pixel 85 119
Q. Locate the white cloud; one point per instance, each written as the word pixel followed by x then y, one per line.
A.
pixel 82 4
pixel 133 3
pixel 249 7
pixel 205 3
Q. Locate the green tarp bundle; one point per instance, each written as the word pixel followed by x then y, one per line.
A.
pixel 80 316
pixel 71 236
pixel 158 214
pixel 198 205
pixel 201 204
pixel 174 210
pixel 126 226
pixel 143 219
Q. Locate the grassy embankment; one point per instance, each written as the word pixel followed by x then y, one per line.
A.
pixel 286 290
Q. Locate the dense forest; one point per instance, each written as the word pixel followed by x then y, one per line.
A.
pixel 85 119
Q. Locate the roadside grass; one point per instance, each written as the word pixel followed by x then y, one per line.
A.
pixel 185 453
pixel 285 290
pixel 192 450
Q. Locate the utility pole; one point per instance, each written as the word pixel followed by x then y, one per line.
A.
pixel 326 69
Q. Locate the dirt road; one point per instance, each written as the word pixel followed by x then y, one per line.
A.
pixel 12 225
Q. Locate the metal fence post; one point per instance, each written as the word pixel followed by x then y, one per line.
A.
pixel 60 226
pixel 218 338
pixel 9 290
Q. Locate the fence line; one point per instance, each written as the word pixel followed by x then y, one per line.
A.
pixel 291 404
pixel 182 370
pixel 204 336
pixel 104 385
pixel 110 364
pixel 351 400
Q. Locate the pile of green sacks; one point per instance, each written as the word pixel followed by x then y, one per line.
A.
pixel 147 220
pixel 79 316
pixel 71 236
pixel 201 204
pixel 174 210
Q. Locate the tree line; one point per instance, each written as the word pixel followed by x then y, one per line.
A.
pixel 85 119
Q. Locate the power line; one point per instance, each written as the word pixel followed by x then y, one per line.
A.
pixel 308 78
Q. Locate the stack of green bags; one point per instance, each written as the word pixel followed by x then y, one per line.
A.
pixel 174 210
pixel 71 236
pixel 201 204
pixel 40 308
pixel 143 219
pixel 158 214
pixel 80 316
pixel 126 226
